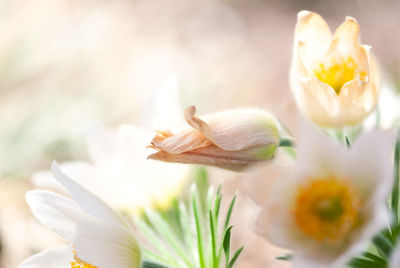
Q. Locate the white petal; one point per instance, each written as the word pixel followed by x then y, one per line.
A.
pixel 56 212
pixel 106 245
pixel 370 163
pixel 312 30
pixel 100 142
pixel 318 154
pixel 86 200
pixel 59 257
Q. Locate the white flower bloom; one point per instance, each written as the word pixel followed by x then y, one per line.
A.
pixel 335 80
pixel 118 171
pixel 98 237
pixel 328 205
pixel 395 259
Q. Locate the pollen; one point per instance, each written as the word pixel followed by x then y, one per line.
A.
pixel 327 209
pixel 337 73
pixel 78 263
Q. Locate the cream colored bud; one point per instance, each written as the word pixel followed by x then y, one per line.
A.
pixel 233 139
pixel 334 79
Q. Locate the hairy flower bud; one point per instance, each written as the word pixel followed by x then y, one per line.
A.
pixel 233 139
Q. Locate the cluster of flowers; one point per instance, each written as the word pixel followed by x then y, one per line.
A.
pixel 327 199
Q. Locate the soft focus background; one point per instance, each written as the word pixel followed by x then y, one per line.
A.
pixel 67 66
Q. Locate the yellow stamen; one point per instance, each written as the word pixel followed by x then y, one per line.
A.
pixel 327 209
pixel 337 74
pixel 78 263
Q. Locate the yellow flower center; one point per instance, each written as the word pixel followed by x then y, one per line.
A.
pixel 327 209
pixel 337 74
pixel 78 263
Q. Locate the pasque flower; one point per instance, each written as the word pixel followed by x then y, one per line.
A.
pixel 334 79
pixel 328 205
pixel 98 237
pixel 233 139
pixel 118 171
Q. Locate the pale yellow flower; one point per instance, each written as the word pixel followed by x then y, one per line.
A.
pixel 334 79
pixel 233 139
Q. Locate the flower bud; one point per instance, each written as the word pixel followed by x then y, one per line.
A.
pixel 233 139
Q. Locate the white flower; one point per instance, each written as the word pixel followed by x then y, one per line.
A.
pixel 118 170
pixel 98 237
pixel 335 80
pixel 328 205
pixel 120 173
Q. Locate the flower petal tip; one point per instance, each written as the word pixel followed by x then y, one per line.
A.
pixel 304 15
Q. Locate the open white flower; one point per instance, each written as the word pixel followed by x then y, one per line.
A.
pixel 119 172
pixel 98 237
pixel 334 79
pixel 329 204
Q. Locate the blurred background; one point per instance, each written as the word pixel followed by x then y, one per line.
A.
pixel 67 66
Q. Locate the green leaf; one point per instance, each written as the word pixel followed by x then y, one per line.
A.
pixel 286 142
pixel 227 244
pixel 168 234
pixel 213 241
pixel 286 257
pixel 375 258
pixel 229 213
pixel 149 264
pixel 155 240
pixel 395 191
pixel 198 228
pixel 235 257
pixel 383 245
pixel 347 141
pixel 364 263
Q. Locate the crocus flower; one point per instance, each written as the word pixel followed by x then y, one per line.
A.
pixel 328 205
pixel 233 139
pixel 97 236
pixel 334 79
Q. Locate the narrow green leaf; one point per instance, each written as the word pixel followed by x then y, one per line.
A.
pixel 149 264
pixel 198 229
pixel 169 235
pixel 395 191
pixel 375 258
pixel 286 257
pixel 286 142
pixel 189 236
pixel 227 244
pixel 235 257
pixel 155 240
pixel 229 213
pixel 217 205
pixel 347 141
pixel 383 245
pixel 364 263
pixel 213 241
pixel 150 255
